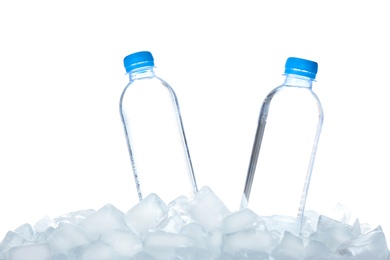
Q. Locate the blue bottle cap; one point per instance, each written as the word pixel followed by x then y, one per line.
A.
pixel 301 67
pixel 138 60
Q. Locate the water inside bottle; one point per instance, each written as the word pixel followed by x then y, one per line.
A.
pixel 289 126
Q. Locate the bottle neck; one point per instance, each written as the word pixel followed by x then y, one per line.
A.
pixel 143 72
pixel 298 81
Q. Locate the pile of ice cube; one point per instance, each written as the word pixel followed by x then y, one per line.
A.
pixel 200 228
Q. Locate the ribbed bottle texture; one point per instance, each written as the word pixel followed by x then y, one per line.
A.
pixel 154 132
pixel 285 144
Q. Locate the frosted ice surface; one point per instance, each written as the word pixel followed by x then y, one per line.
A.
pixel 333 233
pixel 179 208
pixel 207 209
pixel 26 231
pixel 66 237
pixel 124 243
pixel 245 254
pixel 11 239
pixel 172 224
pixel 95 251
pixel 106 218
pixel 263 241
pixel 163 245
pixel 309 223
pixel 196 232
pixel 177 215
pixel 200 228
pixel 43 224
pixel 367 246
pixel 147 214
pixel 75 217
pixel 281 224
pixel 39 251
pixel 340 213
pixel 241 220
pixel 213 241
pixel 291 247
pixel 192 253
pixel 143 256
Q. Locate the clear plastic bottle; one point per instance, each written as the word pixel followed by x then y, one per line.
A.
pixel 285 144
pixel 154 132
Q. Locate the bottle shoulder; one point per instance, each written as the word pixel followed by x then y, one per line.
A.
pixel 289 96
pixel 292 92
pixel 147 87
pixel 151 80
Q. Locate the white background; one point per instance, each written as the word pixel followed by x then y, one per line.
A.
pixel 62 146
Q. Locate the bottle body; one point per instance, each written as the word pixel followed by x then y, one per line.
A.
pixel 155 136
pixel 284 149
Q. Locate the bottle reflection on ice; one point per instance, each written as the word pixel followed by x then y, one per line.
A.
pixel 285 144
pixel 154 132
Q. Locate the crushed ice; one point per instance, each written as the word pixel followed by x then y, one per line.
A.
pixel 201 228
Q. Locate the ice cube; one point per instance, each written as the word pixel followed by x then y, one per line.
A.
pixel 280 224
pixel 44 228
pixel 365 227
pixel 105 219
pixel 30 252
pixel 43 224
pixel 309 224
pixel 291 247
pixel 60 257
pixel 371 245
pixel 143 256
pixel 124 243
pixel 177 216
pixel 147 214
pixel 252 239
pixel 172 224
pixel 340 213
pixel 11 239
pixel 196 232
pixel 26 231
pixel 356 228
pixel 163 245
pixel 333 233
pixel 316 248
pixel 75 217
pixel 243 254
pixel 44 236
pixel 179 207
pixel 93 251
pixel 225 256
pixel 201 228
pixel 241 220
pixel 66 237
pixel 213 241
pixel 207 209
pixel 192 253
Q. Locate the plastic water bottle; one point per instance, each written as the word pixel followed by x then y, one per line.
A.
pixel 285 144
pixel 154 132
